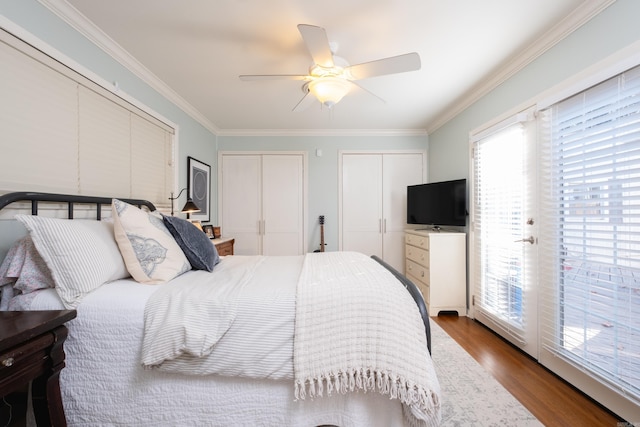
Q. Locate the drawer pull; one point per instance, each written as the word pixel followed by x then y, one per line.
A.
pixel 8 362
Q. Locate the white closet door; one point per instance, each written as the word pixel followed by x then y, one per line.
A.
pixel 398 171
pixel 282 189
pixel 241 202
pixel 362 203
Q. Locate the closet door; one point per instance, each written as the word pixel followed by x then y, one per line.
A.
pixel 398 171
pixel 362 203
pixel 241 202
pixel 262 202
pixel 374 202
pixel 282 195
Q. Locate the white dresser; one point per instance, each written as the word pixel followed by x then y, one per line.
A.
pixel 436 261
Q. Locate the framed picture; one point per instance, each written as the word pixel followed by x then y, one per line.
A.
pixel 208 230
pixel 199 188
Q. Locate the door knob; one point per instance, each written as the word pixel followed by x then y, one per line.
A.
pixel 529 239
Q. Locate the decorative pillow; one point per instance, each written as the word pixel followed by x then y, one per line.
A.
pixel 24 268
pixel 148 248
pixel 81 254
pixel 197 247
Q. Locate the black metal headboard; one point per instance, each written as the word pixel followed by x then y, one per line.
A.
pixel 69 199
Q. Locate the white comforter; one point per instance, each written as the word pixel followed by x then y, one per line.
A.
pixel 104 383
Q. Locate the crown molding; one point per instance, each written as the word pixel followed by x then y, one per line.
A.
pixel 323 132
pixel 580 16
pixel 88 29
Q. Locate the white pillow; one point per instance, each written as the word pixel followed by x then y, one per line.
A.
pixel 81 254
pixel 150 252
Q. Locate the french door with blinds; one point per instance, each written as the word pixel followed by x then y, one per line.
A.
pixel 581 295
pixel 504 250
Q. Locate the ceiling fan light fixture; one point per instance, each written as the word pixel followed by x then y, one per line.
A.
pixel 329 90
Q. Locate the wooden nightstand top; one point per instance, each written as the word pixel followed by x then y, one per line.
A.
pixel 17 327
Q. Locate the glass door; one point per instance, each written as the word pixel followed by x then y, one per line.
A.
pixel 503 232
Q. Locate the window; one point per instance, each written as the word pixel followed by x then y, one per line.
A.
pixel 590 257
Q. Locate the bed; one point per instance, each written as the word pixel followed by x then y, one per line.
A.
pixel 190 338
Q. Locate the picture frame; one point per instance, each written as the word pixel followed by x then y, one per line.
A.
pixel 208 230
pixel 199 188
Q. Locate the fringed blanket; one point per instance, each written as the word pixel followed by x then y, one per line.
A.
pixel 358 329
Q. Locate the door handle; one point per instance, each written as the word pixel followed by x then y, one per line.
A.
pixel 529 239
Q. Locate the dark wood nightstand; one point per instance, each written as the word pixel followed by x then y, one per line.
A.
pixel 224 245
pixel 31 350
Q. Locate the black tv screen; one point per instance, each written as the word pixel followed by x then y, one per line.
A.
pixel 438 203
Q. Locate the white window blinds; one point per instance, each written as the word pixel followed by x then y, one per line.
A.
pixel 590 262
pixel 61 132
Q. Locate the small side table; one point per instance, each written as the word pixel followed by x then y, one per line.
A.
pixel 224 245
pixel 31 350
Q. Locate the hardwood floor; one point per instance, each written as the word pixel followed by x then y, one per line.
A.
pixel 553 401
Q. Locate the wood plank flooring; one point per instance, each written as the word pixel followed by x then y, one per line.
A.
pixel 553 401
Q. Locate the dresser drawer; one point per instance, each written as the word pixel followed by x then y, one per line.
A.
pixel 27 360
pixel 418 255
pixel 416 240
pixel 420 272
pixel 423 287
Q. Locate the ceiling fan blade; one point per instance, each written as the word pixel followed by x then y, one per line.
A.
pixel 317 43
pixel 392 65
pixel 250 77
pixel 305 102
pixel 368 91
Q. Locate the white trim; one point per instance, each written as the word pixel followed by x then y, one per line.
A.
pixel 323 132
pixel 95 35
pixel 617 63
pixel 583 14
pixel 486 130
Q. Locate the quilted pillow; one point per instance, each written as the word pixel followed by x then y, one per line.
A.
pixel 149 250
pixel 197 247
pixel 81 254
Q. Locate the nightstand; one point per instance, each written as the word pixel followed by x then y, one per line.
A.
pixel 224 245
pixel 31 350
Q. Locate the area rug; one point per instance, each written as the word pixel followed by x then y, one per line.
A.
pixel 470 395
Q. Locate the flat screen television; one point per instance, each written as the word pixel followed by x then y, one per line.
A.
pixel 438 203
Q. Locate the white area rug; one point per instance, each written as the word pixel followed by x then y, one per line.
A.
pixel 470 395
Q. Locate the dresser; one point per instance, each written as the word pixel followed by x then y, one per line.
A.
pixel 224 245
pixel 31 350
pixel 436 262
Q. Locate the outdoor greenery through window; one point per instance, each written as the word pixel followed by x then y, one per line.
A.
pixel 590 208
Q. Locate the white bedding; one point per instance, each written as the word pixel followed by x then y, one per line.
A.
pixel 104 383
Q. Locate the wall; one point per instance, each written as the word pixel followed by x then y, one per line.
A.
pixel 323 170
pixel 613 29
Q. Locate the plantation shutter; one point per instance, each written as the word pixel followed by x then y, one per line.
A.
pixel 590 263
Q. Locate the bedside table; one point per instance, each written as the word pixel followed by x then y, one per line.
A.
pixel 224 245
pixel 31 350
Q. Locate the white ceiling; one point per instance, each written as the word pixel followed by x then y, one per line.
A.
pixel 198 48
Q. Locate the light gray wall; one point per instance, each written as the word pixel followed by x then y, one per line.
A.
pixel 613 29
pixel 323 171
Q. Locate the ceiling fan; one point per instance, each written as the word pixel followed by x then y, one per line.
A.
pixel 330 77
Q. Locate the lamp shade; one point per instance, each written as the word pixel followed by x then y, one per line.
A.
pixel 329 90
pixel 190 207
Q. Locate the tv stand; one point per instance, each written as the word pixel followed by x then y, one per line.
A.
pixel 436 261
